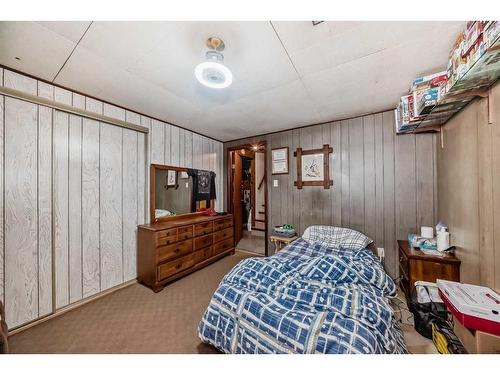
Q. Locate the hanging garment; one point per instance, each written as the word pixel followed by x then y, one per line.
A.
pixel 203 185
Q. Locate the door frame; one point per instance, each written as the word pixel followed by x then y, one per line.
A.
pixel 263 145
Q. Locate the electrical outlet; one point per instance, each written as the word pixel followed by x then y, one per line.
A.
pixel 275 183
pixel 380 253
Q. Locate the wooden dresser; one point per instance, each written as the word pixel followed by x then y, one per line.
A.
pixel 171 249
pixel 414 265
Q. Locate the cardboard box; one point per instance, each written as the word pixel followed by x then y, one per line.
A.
pixel 476 342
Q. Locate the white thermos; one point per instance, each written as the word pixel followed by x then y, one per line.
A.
pixel 443 239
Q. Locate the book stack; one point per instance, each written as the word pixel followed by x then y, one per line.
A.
pixel 437 93
pixel 469 46
pixel 425 93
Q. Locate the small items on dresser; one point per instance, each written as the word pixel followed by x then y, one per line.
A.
pixel 429 244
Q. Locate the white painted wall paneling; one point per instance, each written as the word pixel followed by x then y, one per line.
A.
pixel 21 221
pixel 111 235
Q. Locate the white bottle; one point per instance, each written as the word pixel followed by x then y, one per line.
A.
pixel 443 240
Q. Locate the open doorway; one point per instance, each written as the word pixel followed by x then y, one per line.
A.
pixel 247 196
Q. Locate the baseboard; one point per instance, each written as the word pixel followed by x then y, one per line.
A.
pixel 71 307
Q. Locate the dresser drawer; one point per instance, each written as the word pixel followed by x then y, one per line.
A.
pixel 203 228
pixel 162 241
pixel 183 233
pixel 203 254
pixel 166 233
pixel 171 268
pixel 223 234
pixel 431 271
pixel 175 250
pixel 223 223
pixel 223 246
pixel 201 242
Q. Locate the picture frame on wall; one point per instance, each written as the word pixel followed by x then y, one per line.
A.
pixel 313 167
pixel 171 178
pixel 279 160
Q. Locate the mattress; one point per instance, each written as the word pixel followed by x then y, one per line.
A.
pixel 307 298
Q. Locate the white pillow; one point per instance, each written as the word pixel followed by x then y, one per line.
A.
pixel 344 238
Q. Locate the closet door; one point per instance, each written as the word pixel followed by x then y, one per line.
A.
pixel 72 191
pixel 111 214
pixel 27 211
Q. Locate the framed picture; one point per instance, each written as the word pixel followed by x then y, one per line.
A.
pixel 171 178
pixel 279 157
pixel 313 167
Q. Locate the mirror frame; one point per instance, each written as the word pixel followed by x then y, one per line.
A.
pixel 152 183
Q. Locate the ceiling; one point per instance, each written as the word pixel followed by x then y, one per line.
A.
pixel 286 74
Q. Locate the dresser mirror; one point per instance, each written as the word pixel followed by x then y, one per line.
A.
pixel 171 192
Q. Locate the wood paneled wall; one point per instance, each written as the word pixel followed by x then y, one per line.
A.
pixel 469 188
pixel 72 193
pixel 383 185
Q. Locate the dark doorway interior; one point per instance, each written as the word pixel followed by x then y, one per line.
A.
pixel 247 197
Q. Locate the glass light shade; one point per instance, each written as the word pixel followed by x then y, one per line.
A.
pixel 210 73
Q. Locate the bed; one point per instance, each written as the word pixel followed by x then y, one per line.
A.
pixel 311 297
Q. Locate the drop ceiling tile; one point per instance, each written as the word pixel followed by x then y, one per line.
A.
pixel 72 30
pixel 297 35
pixel 370 38
pixel 125 42
pixel 90 74
pixel 376 81
pixel 253 54
pixel 42 52
pixel 346 68
pixel 269 110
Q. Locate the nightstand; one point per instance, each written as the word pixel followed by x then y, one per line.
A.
pixel 414 265
pixel 279 241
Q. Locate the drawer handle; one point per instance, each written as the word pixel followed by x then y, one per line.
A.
pixel 178 266
pixel 177 250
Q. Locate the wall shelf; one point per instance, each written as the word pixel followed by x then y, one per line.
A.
pixel 475 82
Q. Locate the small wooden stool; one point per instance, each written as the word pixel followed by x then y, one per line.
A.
pixel 279 241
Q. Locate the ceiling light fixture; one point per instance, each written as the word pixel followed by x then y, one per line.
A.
pixel 213 73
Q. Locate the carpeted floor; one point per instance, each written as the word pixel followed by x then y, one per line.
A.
pixel 253 241
pixel 136 320
pixel 133 320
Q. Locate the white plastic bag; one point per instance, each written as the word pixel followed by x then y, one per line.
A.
pixel 425 297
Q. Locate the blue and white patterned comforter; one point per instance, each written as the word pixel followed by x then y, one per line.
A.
pixel 308 298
